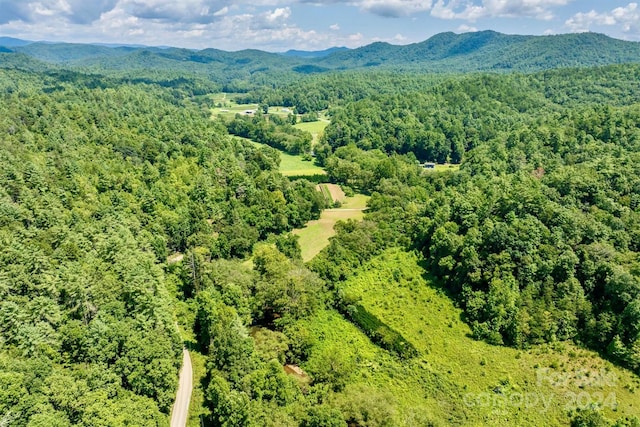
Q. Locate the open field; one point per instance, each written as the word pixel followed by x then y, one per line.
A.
pixel 457 380
pixel 314 128
pixel 226 106
pixel 332 192
pixel 291 165
pixel 295 166
pixel 315 236
pixel 440 167
pixel 358 201
pixel 281 111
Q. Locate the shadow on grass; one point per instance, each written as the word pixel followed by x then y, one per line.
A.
pixel 439 284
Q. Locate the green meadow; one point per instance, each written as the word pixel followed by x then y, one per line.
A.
pixel 316 234
pixel 291 165
pixel 456 380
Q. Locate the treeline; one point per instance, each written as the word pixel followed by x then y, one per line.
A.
pixel 539 237
pixel 319 92
pixel 271 130
pixel 441 124
pixel 612 84
pixel 98 185
pixel 439 118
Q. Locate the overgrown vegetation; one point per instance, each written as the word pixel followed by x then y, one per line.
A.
pixel 379 332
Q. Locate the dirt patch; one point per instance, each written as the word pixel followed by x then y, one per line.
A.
pixel 334 191
pixel 296 371
pixel 177 257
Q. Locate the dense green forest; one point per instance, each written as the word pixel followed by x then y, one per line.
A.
pixel 537 234
pixel 244 70
pixel 98 186
pixel 132 223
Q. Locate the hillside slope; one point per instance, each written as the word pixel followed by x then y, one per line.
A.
pixel 445 52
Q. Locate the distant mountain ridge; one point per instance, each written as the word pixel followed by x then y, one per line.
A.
pixel 444 52
pixel 9 42
pixel 493 51
pixel 314 53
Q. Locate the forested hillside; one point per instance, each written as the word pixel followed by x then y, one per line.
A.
pixel 134 222
pixel 98 186
pixel 537 235
pixel 442 53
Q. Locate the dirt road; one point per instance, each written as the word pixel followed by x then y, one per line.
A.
pixel 180 410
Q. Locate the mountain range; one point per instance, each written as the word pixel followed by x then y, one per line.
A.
pixel 444 52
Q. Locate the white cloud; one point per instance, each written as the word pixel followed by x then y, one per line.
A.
pixel 626 18
pixel 464 28
pixel 334 27
pixel 200 11
pixel 278 14
pixel 222 11
pixel 76 11
pixel 399 38
pixel 271 19
pixel 385 8
pixel 394 8
pixel 470 11
pixel 232 29
pixel 356 39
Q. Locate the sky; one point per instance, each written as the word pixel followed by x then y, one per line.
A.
pixel 279 25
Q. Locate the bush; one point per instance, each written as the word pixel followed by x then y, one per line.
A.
pixel 379 332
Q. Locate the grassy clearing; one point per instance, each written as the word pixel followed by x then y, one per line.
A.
pixel 226 106
pixel 315 236
pixel 291 165
pixel 314 128
pixel 358 201
pixel 326 193
pixel 446 167
pixel 457 380
pixel 229 107
pixel 280 111
pixel 296 166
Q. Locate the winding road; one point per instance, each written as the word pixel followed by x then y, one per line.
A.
pixel 180 410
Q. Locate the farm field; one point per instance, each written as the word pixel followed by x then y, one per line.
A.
pixel 291 165
pixel 226 106
pixel 314 128
pixel 456 380
pixel 315 236
pixel 447 167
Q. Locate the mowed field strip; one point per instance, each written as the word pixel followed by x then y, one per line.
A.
pixel 314 128
pixel 315 236
pixel 295 166
pixel 291 165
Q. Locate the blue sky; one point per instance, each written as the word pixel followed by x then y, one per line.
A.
pixel 278 25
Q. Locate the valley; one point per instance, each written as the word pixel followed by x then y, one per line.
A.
pixel 439 233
